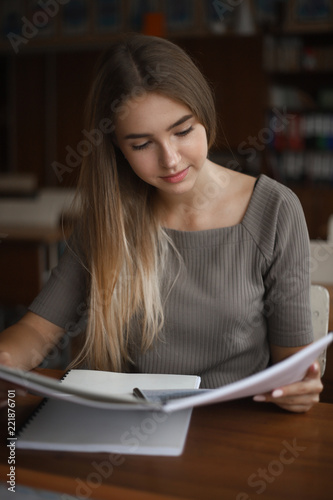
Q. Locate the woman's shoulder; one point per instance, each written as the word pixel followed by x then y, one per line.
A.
pixel 273 208
pixel 260 197
pixel 273 195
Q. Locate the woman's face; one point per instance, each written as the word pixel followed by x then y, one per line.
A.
pixel 163 142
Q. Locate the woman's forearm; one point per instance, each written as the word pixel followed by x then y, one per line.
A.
pixel 29 341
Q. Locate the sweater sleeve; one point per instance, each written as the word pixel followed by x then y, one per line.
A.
pixel 62 300
pixel 287 279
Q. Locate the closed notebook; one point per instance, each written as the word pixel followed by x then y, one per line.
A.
pixel 66 426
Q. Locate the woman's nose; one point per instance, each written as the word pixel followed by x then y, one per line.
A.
pixel 169 156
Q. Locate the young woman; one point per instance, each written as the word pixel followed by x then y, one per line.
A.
pixel 176 264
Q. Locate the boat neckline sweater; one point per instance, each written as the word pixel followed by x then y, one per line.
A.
pixel 239 289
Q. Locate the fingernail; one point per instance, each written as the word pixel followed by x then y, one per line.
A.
pixel 277 393
pixel 259 398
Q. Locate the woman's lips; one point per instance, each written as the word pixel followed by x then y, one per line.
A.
pixel 177 177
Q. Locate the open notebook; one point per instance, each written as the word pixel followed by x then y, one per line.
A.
pixel 99 393
pixel 80 412
pixel 66 426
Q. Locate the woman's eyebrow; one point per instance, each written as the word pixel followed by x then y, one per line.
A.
pixel 178 122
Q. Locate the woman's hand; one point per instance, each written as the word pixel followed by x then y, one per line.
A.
pixel 6 359
pixel 298 397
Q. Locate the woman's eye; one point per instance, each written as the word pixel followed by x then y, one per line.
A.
pixel 185 132
pixel 145 145
pixel 140 146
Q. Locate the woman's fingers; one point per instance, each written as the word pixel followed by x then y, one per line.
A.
pixel 297 397
pixel 6 359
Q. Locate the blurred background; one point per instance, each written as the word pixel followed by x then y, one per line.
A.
pixel 269 61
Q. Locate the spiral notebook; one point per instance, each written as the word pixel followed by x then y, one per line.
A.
pixel 161 429
pixel 93 389
pixel 66 426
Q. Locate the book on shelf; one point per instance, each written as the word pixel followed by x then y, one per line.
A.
pixel 290 54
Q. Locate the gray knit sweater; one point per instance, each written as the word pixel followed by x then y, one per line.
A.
pixel 240 288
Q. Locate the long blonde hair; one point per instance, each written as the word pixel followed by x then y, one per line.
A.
pixel 120 240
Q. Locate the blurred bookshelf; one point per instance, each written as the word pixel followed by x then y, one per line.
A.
pixel 270 64
pixel 299 68
pixel 27 25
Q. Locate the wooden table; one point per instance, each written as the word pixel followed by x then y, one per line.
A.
pixel 238 450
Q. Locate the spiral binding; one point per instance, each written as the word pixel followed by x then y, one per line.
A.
pixel 26 424
pixel 37 410
pixel 64 375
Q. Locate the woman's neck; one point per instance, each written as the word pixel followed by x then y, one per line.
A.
pixel 220 201
pixel 193 209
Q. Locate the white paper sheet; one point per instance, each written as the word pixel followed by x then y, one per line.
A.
pixel 286 372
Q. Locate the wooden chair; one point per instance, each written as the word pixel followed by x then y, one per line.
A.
pixel 320 301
